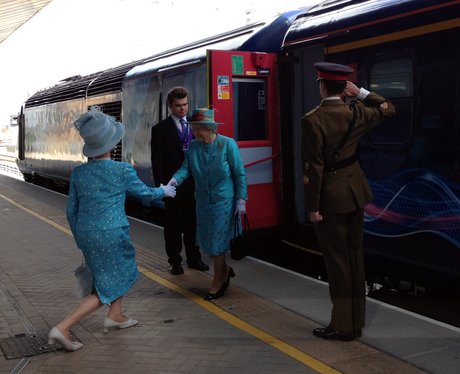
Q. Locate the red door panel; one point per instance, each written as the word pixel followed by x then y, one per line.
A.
pixel 243 92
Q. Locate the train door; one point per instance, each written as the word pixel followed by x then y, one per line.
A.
pixel 243 91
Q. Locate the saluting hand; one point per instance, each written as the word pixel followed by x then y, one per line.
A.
pixel 351 90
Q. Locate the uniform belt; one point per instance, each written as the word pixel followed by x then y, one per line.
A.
pixel 341 164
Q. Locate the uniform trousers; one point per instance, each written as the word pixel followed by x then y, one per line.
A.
pixel 180 218
pixel 340 237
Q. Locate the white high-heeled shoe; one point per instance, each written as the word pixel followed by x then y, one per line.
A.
pixel 55 335
pixel 110 324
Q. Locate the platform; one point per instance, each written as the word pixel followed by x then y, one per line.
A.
pixel 262 325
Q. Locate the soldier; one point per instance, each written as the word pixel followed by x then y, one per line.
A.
pixel 337 190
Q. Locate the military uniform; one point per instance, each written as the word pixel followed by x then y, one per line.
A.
pixel 339 193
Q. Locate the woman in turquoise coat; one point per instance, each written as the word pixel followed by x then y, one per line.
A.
pixel 96 215
pixel 214 161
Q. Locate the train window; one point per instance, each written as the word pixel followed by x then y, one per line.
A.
pixel 394 80
pixel 249 109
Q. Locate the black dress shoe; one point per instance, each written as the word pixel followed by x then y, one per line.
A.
pixel 177 269
pixel 198 265
pixel 332 334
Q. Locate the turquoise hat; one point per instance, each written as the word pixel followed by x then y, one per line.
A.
pixel 99 131
pixel 204 116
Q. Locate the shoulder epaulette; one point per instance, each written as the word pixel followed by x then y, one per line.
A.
pixel 312 111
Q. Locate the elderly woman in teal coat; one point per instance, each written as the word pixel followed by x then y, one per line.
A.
pixel 96 215
pixel 214 161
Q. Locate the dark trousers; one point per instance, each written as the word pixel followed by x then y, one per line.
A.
pixel 180 218
pixel 340 237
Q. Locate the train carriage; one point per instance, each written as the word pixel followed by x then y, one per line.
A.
pixel 235 72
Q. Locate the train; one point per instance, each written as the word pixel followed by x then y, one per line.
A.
pixel 260 79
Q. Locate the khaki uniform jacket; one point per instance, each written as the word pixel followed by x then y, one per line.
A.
pixel 347 189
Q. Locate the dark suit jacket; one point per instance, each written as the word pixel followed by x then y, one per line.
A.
pixel 323 128
pixel 167 156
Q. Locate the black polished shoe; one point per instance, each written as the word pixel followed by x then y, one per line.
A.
pixel 231 274
pixel 212 296
pixel 332 334
pixel 198 265
pixel 177 269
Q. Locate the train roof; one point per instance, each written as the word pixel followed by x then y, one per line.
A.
pixel 264 36
pixel 81 86
pixel 348 20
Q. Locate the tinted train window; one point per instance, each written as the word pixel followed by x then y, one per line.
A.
pixel 393 80
pixel 249 109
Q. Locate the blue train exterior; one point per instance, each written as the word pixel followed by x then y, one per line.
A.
pixel 409 52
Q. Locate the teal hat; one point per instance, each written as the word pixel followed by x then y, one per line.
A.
pixel 99 131
pixel 204 116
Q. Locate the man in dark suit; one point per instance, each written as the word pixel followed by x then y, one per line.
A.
pixel 337 190
pixel 170 139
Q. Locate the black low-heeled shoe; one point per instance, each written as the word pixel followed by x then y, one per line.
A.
pixel 330 333
pixel 212 296
pixel 231 274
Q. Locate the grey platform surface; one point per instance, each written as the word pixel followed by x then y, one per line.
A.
pixel 36 263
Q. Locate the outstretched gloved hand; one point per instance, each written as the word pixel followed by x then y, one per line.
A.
pixel 170 191
pixel 241 206
pixel 172 182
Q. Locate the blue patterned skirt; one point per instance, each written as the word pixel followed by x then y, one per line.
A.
pixel 111 256
pixel 215 226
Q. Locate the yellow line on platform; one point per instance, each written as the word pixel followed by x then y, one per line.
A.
pixel 211 307
pixel 39 216
pixel 244 326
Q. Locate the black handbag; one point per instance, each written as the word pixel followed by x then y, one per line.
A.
pixel 242 243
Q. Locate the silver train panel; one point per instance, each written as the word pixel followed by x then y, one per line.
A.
pixel 52 144
pixel 144 105
pixel 260 172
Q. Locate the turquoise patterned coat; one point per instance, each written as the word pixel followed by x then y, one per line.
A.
pixel 97 218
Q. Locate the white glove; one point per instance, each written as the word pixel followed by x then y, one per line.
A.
pixel 172 182
pixel 241 206
pixel 170 191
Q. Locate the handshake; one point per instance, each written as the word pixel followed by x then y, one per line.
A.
pixel 170 188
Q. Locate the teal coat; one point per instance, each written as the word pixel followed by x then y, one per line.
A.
pixel 217 169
